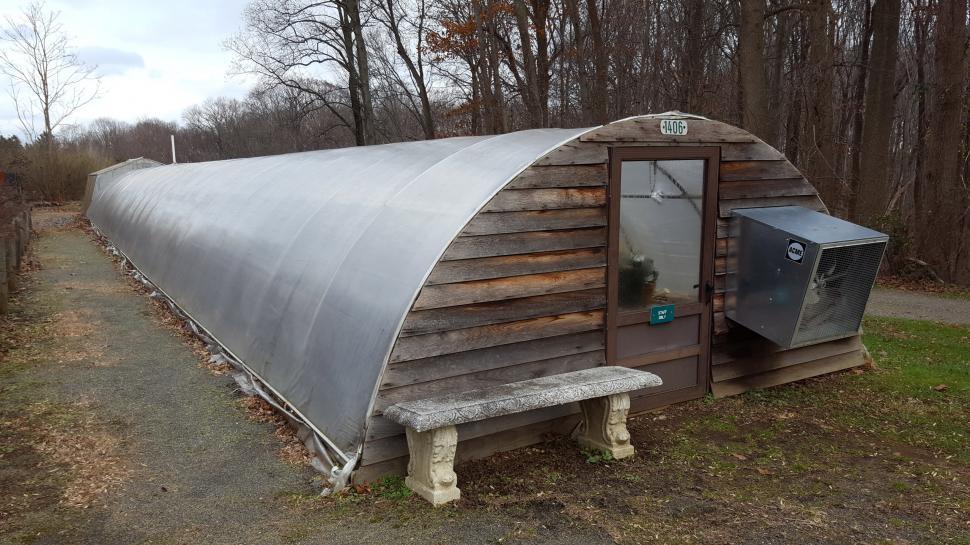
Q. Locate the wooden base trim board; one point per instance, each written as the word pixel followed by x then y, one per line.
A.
pixel 788 374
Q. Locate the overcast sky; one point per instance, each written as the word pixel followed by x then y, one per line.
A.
pixel 157 57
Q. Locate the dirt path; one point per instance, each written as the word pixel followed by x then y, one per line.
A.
pixel 918 306
pixel 132 440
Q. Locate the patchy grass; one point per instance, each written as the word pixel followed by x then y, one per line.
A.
pixel 392 488
pixel 920 394
pixel 864 457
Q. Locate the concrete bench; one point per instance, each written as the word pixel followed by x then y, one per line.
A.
pixel 603 393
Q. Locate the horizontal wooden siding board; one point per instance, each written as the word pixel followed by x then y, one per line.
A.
pixel 494 357
pixel 535 220
pixel 524 243
pixel 446 272
pixel 513 200
pixel 513 287
pixel 450 342
pixel 538 177
pixel 492 312
pixel 489 378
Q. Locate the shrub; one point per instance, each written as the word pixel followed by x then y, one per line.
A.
pixel 58 175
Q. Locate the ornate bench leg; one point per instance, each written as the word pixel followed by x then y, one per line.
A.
pixel 431 470
pixel 604 425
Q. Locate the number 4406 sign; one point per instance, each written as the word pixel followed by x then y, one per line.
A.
pixel 673 127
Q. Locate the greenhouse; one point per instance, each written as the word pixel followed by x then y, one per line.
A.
pixel 346 282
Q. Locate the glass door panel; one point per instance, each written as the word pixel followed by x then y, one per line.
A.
pixel 661 217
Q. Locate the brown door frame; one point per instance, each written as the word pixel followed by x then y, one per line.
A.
pixel 704 307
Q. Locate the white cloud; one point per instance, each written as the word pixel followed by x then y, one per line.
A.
pixel 156 58
pixel 110 61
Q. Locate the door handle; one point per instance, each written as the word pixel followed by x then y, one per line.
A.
pixel 708 291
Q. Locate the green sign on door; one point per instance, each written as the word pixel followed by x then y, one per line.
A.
pixel 661 314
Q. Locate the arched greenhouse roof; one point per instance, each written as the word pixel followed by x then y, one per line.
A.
pixel 304 265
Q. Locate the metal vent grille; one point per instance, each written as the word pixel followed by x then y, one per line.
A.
pixel 838 292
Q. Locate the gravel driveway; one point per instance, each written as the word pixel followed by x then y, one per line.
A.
pixel 918 306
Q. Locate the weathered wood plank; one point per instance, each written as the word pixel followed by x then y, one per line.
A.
pixel 749 151
pixel 575 154
pixel 489 378
pixel 720 265
pixel 757 170
pixel 449 342
pixel 514 200
pixel 421 322
pixel 755 357
pixel 513 287
pixel 750 189
pixel 535 220
pixel 525 243
pixel 446 272
pixel 720 323
pixel 460 363
pixel 812 202
pixel 537 177
pixel 788 374
pixel 699 131
pixel 720 247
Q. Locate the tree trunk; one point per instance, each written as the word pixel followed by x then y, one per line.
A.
pixel 880 107
pixel 363 72
pixel 599 101
pixel 754 86
pixel 777 98
pixel 540 15
pixel 416 70
pixel 947 198
pixel 920 30
pixel 530 95
pixel 582 74
pixel 353 81
pixel 858 107
pixel 819 150
pixel 693 59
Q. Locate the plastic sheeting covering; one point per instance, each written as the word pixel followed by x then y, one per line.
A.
pixel 304 265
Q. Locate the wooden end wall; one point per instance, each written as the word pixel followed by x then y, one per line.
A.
pixel 521 293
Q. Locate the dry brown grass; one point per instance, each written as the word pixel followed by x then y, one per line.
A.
pixel 293 451
pixel 99 288
pixel 73 441
pixel 79 339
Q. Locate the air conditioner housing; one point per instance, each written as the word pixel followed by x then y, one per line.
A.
pixel 798 276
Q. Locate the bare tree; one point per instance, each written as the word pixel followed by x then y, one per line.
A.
pixel 751 57
pixel 948 206
pixel 873 189
pixel 408 28
pixel 47 78
pixel 284 41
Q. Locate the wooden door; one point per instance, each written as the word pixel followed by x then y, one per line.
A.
pixel 662 227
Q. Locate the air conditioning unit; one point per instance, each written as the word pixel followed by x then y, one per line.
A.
pixel 799 277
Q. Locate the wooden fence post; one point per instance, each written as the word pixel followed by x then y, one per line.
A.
pixel 10 252
pixel 4 287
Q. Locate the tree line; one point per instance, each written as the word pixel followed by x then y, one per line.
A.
pixel 869 98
